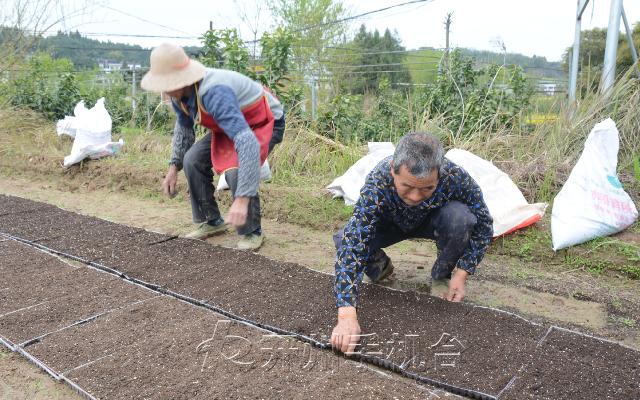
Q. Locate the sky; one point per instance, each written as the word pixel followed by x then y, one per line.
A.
pixel 531 27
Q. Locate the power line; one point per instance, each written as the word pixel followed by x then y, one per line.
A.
pixel 132 35
pixel 143 20
pixel 338 21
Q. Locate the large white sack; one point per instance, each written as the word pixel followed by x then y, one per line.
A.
pixel 69 125
pixel 508 207
pixel 592 202
pixel 349 184
pixel 91 130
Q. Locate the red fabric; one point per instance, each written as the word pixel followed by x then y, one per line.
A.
pixel 223 153
pixel 529 221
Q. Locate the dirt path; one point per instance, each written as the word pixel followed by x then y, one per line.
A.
pixel 20 380
pixel 598 305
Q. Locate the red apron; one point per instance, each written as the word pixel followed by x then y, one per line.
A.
pixel 223 153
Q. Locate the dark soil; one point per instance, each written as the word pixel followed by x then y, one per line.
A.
pixel 167 349
pixel 568 365
pixel 462 345
pixel 18 273
pixel 299 300
pixel 17 205
pixel 69 296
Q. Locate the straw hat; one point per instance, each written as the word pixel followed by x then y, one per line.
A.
pixel 171 69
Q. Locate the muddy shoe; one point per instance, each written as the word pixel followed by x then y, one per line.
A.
pixel 252 241
pixel 383 262
pixel 206 230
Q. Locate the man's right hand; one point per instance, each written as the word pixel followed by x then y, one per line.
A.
pixel 346 334
pixel 170 181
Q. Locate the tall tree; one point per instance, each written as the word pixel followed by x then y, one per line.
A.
pixel 314 26
pixel 378 61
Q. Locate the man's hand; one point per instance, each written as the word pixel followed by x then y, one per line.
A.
pixel 238 212
pixel 456 286
pixel 170 181
pixel 346 334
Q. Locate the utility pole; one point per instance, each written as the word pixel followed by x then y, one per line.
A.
pixel 445 59
pixel 611 49
pixel 314 97
pixel 447 24
pixel 133 88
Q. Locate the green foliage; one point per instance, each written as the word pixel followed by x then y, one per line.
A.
pixel 85 53
pixel 423 65
pixel 151 115
pixel 467 101
pixel 223 48
pixel 39 83
pixel 358 118
pixel 52 88
pixel 275 52
pixel 313 25
pixel 374 49
pixel 471 100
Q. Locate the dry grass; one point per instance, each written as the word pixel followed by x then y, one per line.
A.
pixel 539 159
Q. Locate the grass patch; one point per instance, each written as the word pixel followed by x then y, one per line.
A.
pixel 608 255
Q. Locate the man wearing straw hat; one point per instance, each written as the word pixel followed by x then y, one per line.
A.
pixel 244 121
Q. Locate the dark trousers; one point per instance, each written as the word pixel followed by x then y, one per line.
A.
pixel 198 170
pixel 450 227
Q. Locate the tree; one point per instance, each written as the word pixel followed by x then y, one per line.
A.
pixel 314 28
pixel 378 60
pixel 624 58
pixel 592 45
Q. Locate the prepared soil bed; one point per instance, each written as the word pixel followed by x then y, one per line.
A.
pixel 296 299
pixel 458 344
pixel 164 348
pixel 15 205
pixel 568 365
pixel 71 295
pixel 24 283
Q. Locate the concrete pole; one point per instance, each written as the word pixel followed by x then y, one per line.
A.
pixel 133 89
pixel 575 55
pixel 611 50
pixel 632 47
pixel 314 97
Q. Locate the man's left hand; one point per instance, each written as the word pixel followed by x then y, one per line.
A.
pixel 238 212
pixel 456 290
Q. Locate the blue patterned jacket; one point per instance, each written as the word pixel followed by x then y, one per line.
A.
pixel 379 203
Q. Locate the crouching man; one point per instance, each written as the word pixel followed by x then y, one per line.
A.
pixel 416 193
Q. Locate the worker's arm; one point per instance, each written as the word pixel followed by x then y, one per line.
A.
pixel 352 256
pixel 183 138
pixel 221 102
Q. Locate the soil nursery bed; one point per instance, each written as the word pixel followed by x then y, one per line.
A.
pixel 298 300
pixel 568 365
pixel 18 205
pixel 71 295
pixel 465 346
pixel 165 348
